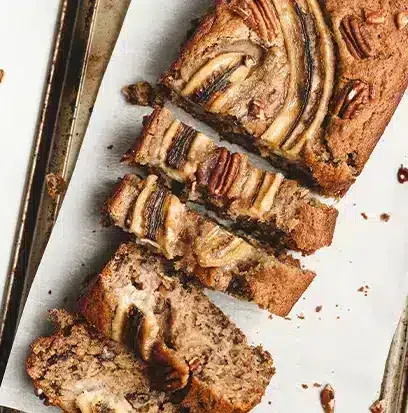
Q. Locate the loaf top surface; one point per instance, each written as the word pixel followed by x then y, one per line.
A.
pixel 312 83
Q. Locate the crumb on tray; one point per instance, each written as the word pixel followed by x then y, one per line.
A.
pixel 378 407
pixel 305 386
pixel 385 217
pixel 55 185
pixel 364 215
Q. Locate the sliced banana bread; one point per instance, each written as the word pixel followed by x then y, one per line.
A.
pixel 274 209
pixel 78 369
pixel 176 329
pixel 204 250
pixel 308 84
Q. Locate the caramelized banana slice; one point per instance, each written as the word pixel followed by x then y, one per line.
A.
pixel 266 195
pixel 296 40
pixel 219 64
pixel 216 247
pixel 137 218
pixel 100 401
pixel 324 91
pixel 135 310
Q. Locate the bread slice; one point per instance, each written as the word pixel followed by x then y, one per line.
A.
pixel 78 369
pixel 272 208
pixel 202 249
pixel 310 85
pixel 189 342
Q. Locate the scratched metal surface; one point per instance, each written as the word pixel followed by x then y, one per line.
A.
pixel 84 41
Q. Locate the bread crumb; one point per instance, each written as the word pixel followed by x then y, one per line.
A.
pixel 55 185
pixel 385 217
pixel 1 75
pixel 141 94
pixel 288 318
pixel 305 386
pixel 378 407
pixel 301 316
pixel 327 399
pixel 364 215
pixel 361 289
pixel 270 317
pixel 50 292
pixel 402 175
pixel 317 385
pixel 319 308
pixel 109 147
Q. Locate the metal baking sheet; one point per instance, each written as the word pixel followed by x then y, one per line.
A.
pixel 104 31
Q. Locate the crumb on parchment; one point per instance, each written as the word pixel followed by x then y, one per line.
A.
pixel 385 217
pixel 327 399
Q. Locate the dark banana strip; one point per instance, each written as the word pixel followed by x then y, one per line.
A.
pixel 177 154
pixel 218 84
pixel 305 93
pixel 134 323
pixel 154 213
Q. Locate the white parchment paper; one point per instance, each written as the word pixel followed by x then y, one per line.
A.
pixel 345 344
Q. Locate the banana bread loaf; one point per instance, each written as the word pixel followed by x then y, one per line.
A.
pixel 202 249
pixel 77 369
pixel 273 209
pixel 176 329
pixel 309 85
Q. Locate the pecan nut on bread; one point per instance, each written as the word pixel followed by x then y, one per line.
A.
pixel 189 342
pixel 309 85
pixel 78 369
pixel 272 208
pixel 202 249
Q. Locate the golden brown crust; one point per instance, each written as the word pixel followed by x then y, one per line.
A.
pixel 371 65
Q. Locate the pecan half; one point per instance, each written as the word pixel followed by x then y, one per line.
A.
pixel 356 40
pixel 327 399
pixel 402 20
pixel 168 371
pixel 374 17
pixel 352 99
pixel 224 172
pixel 259 15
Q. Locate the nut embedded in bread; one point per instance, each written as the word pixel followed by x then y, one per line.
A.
pixel 77 369
pixel 189 343
pixel 309 85
pixel 272 208
pixel 204 250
